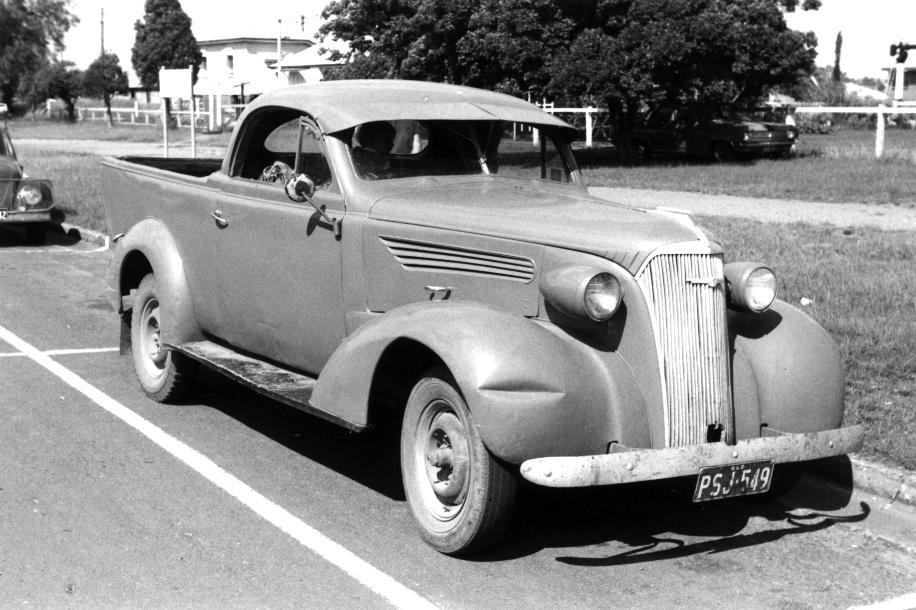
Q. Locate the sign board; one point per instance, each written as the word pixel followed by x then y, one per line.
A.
pixel 175 83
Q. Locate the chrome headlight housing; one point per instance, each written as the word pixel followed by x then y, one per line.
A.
pixel 751 286
pixel 583 292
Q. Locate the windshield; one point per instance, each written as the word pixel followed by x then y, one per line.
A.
pixel 384 150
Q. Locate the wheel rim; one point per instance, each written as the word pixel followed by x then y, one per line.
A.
pixel 154 357
pixel 442 454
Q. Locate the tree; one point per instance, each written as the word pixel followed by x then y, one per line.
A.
pixel 30 28
pixel 62 80
pixel 164 40
pixel 637 54
pixel 105 78
pixel 496 44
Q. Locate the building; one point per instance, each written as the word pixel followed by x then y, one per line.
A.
pixel 236 69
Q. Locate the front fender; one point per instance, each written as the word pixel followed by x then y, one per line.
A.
pixel 787 369
pixel 533 392
pixel 150 244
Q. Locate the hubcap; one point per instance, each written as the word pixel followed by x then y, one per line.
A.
pixel 149 339
pixel 443 449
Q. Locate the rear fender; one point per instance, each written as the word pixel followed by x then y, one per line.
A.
pixel 531 391
pixel 149 246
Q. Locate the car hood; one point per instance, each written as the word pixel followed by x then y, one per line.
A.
pixel 518 210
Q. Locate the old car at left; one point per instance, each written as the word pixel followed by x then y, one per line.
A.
pixel 23 200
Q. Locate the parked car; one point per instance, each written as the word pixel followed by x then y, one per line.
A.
pixel 721 133
pixel 377 252
pixel 23 201
pixel 4 110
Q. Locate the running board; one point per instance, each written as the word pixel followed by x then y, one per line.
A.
pixel 285 386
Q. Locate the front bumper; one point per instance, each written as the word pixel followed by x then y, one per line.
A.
pixel 652 464
pixel 17 217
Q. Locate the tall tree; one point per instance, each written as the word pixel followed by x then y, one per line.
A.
pixel 105 78
pixel 29 30
pixel 164 40
pixel 838 49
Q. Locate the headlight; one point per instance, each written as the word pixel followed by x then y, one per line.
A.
pixel 751 287
pixel 29 195
pixel 602 297
pixel 584 292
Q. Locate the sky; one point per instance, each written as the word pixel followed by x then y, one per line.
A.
pixel 869 28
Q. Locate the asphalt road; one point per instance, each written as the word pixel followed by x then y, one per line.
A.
pixel 110 500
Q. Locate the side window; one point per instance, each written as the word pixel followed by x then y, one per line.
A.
pixel 272 150
pixel 522 159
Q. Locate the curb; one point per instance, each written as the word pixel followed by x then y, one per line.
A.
pixel 86 235
pixel 888 482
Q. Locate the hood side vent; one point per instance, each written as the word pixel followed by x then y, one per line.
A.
pixel 423 256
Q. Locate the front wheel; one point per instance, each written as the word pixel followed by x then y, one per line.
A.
pixel 461 497
pixel 164 375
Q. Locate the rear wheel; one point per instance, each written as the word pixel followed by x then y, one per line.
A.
pixel 461 497
pixel 164 375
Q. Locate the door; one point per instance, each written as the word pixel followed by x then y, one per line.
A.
pixel 278 267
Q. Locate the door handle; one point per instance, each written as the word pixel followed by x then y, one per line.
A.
pixel 221 221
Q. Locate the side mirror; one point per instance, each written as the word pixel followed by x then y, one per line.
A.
pixel 300 188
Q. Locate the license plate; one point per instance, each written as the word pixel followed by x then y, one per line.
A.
pixel 717 482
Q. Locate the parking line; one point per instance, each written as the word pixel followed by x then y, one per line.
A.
pixel 64 352
pixel 385 586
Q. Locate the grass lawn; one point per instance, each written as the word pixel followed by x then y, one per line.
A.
pixel 839 167
pixel 860 283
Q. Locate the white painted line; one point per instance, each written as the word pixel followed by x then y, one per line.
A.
pixel 385 586
pixel 64 352
pixel 904 602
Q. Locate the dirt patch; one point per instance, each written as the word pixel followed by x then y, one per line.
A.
pixel 884 217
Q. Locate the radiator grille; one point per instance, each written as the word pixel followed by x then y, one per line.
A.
pixel 423 256
pixel 686 293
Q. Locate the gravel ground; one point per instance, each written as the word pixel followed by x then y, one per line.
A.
pixel 884 217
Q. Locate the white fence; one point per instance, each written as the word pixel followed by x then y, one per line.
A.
pixel 589 113
pixel 881 111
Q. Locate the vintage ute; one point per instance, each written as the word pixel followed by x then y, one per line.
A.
pixel 389 251
pixel 23 201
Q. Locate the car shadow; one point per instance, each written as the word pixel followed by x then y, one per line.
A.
pixel 656 520
pixel 16 236
pixel 651 520
pixel 371 458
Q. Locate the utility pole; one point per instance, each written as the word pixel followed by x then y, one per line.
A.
pixel 279 49
pixel 102 23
